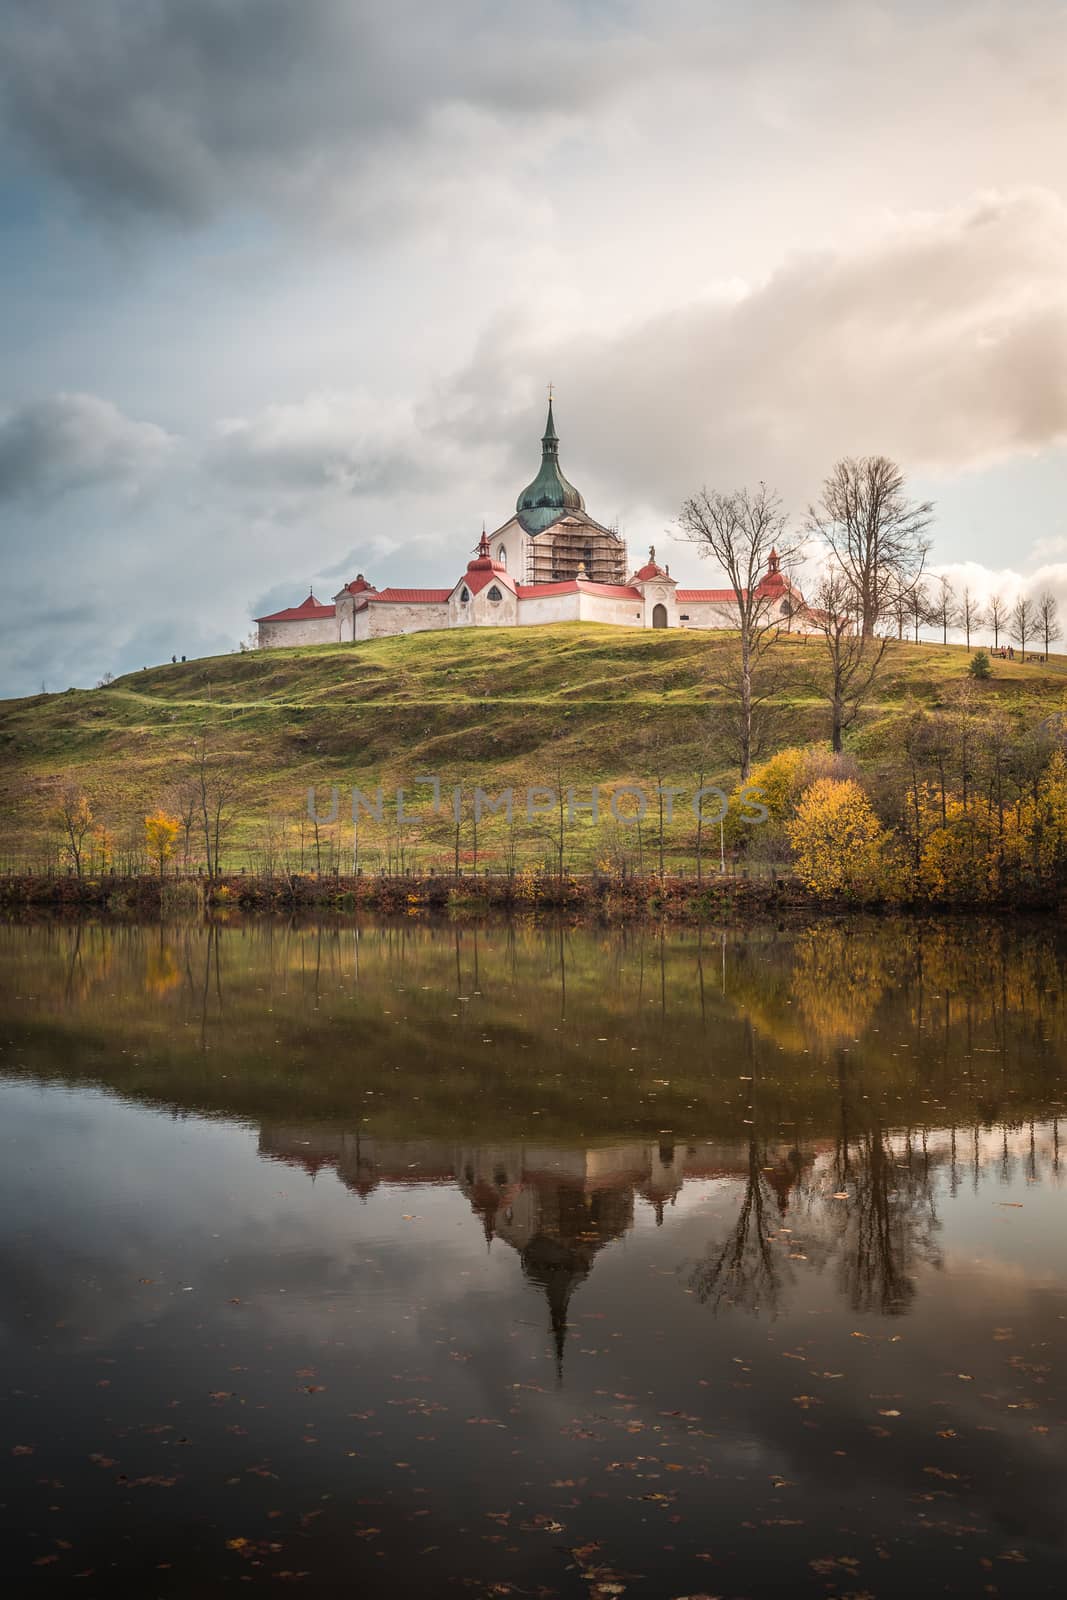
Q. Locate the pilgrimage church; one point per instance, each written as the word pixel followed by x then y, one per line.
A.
pixel 550 562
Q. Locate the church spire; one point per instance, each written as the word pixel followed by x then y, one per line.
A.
pixel 549 496
pixel 550 438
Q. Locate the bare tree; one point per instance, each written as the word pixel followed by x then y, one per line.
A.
pixel 850 661
pixel 943 608
pixel 1023 621
pixel 75 817
pixel 971 617
pixel 185 803
pixel 217 789
pixel 877 534
pixel 742 532
pixel 918 606
pixel 1048 619
pixel 898 606
pixel 998 617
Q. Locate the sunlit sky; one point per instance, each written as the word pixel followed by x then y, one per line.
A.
pixel 285 284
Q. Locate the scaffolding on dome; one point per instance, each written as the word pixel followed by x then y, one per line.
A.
pixel 556 555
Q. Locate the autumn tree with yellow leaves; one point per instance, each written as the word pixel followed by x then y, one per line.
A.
pixel 836 839
pixel 161 831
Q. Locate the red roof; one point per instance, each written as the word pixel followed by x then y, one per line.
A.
pixel 651 569
pixel 358 585
pixel 309 610
pixel 481 573
pixel 413 597
pixel 611 591
pixel 766 589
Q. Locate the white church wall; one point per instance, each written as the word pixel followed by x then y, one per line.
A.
pixel 548 608
pixel 620 613
pixel 511 539
pixel 701 614
pixel 286 635
pixel 483 612
pixel 659 594
pixel 398 617
pixel 346 626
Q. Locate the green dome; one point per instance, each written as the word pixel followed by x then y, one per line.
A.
pixel 549 496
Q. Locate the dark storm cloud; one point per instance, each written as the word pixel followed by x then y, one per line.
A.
pixel 179 106
pixel 73 441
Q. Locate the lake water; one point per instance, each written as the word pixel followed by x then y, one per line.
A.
pixel 528 1261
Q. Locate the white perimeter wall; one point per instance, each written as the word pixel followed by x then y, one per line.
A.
pixel 275 635
pixel 622 613
pixel 703 615
pixel 549 608
pixel 383 620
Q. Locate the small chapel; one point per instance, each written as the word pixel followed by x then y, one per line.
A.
pixel 549 562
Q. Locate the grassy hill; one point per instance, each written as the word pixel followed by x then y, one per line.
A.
pixel 478 706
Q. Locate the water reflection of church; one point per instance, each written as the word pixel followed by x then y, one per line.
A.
pixel 556 1207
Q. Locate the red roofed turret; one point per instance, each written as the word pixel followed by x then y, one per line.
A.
pixel 483 561
pixel 651 569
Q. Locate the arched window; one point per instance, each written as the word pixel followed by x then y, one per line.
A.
pixel 464 596
pixel 494 593
pixel 502 556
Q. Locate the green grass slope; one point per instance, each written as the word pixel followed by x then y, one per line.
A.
pixel 475 706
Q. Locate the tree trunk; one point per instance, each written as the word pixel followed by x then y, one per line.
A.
pixel 746 709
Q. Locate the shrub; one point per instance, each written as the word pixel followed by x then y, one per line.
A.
pixel 837 839
pixel 979 666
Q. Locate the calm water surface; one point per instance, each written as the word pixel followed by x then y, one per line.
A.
pixel 520 1261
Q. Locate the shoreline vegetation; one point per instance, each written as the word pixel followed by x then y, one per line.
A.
pixel 736 896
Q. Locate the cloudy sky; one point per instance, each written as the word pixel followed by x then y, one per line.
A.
pixel 283 285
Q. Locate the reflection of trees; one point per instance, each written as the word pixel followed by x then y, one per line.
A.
pixel 888 1224
pixel 885 1228
pixel 745 1271
pixel 839 980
